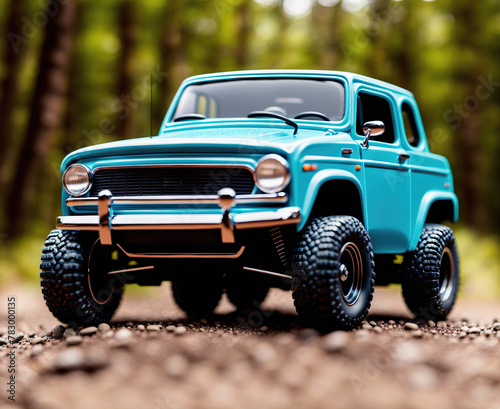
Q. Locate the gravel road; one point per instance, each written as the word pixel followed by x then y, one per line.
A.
pixel 151 356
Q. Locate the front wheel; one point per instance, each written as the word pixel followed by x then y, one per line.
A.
pixel 333 273
pixel 431 274
pixel 75 282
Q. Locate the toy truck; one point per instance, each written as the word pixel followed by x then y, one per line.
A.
pixel 309 181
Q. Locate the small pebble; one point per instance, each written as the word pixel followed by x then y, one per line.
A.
pixel 129 324
pixel 18 338
pixel 32 334
pixel 391 322
pixel 180 330
pixel 411 326
pixel 3 342
pixel 123 337
pixel 465 329
pixel 463 334
pixel 73 358
pixel 418 334
pixel 431 324
pixel 496 326
pixel 38 341
pixel 475 330
pixel 335 341
pixel 170 328
pixel 58 332
pixel 103 327
pixel 88 331
pixel 70 332
pixel 73 340
pixel 35 351
pixel 366 326
pixel 264 328
pixel 442 324
pixel 373 323
pixel 488 332
pixel 153 328
pixel 141 327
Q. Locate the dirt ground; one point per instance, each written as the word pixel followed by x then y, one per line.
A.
pixel 153 357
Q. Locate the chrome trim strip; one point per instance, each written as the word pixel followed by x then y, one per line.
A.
pixel 279 217
pixel 184 199
pixel 183 255
pixel 173 165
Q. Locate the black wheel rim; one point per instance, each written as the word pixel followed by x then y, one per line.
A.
pixel 101 284
pixel 351 273
pixel 446 275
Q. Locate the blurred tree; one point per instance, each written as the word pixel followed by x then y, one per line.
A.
pixel 15 52
pixel 46 112
pixel 129 28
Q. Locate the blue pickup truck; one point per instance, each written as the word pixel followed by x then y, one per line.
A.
pixel 303 180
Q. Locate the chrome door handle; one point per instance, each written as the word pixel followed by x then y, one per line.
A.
pixel 346 151
pixel 403 157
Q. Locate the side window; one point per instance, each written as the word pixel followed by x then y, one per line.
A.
pixel 411 130
pixel 375 108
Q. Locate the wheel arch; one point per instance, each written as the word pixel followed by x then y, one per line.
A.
pixel 326 185
pixel 435 207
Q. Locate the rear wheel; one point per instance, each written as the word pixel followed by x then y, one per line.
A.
pixel 431 274
pixel 198 294
pixel 246 290
pixel 333 273
pixel 74 277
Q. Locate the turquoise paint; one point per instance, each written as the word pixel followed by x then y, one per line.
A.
pixel 395 195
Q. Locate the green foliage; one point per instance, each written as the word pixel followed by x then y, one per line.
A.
pixel 441 50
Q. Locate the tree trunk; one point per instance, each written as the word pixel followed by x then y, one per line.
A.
pixel 47 112
pixel 243 29
pixel 15 50
pixel 468 143
pixel 128 25
pixel 171 53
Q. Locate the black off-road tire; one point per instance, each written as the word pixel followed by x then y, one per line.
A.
pixel 324 294
pixel 431 274
pixel 65 280
pixel 199 295
pixel 246 290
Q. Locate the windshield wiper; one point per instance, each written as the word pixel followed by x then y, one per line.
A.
pixel 189 117
pixel 288 121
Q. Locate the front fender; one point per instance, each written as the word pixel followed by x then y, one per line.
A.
pixel 315 184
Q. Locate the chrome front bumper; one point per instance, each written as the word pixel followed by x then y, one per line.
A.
pixel 227 223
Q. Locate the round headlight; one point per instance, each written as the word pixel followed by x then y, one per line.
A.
pixel 77 180
pixel 272 173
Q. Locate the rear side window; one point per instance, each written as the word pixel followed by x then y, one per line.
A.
pixel 374 108
pixel 411 130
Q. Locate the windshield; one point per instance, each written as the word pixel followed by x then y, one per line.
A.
pixel 287 97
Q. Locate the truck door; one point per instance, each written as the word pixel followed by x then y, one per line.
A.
pixel 386 175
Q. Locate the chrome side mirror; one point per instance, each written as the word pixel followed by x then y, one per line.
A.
pixel 372 128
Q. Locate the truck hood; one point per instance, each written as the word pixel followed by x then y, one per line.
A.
pixel 213 137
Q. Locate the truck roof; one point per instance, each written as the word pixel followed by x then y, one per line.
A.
pixel 348 76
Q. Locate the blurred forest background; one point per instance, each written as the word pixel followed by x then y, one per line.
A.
pixel 75 73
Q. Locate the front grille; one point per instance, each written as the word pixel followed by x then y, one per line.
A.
pixel 171 181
